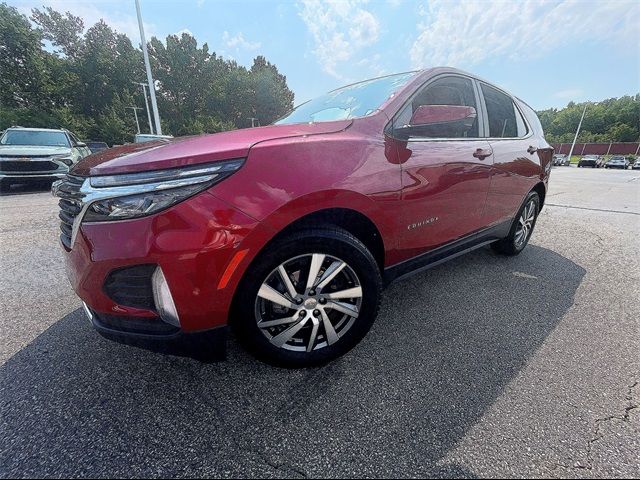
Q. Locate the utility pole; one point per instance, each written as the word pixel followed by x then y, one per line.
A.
pixel 152 90
pixel 577 132
pixel 136 115
pixel 146 103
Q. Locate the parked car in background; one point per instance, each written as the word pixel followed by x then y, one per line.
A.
pixel 617 161
pixel 636 164
pixel 96 146
pixel 37 154
pixel 561 160
pixel 289 232
pixel 588 161
pixel 147 137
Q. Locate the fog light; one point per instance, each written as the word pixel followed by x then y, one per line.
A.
pixel 163 299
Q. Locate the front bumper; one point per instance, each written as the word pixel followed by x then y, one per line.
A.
pixel 209 345
pixel 192 242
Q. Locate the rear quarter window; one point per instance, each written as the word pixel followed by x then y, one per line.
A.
pixel 505 120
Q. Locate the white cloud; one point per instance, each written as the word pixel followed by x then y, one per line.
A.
pixel 466 33
pixel 118 14
pixel 340 30
pixel 184 30
pixel 238 41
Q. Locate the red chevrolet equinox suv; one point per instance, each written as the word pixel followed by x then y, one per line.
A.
pixel 289 232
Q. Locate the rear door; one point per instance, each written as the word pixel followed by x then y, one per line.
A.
pixel 516 167
pixel 444 180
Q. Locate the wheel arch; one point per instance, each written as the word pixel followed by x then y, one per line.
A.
pixel 355 222
pixel 541 190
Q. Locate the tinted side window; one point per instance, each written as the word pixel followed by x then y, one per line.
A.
pixel 505 120
pixel 444 91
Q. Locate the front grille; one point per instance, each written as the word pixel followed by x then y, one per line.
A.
pixel 70 205
pixel 28 166
pixel 131 286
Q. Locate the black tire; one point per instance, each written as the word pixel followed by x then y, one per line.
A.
pixel 330 240
pixel 509 245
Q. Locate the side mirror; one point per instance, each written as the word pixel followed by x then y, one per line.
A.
pixel 81 144
pixel 439 121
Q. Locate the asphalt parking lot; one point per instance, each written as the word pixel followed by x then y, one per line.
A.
pixel 482 367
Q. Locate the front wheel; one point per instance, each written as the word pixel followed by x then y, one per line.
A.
pixel 522 228
pixel 308 299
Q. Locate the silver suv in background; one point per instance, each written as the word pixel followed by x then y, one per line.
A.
pixel 561 160
pixel 37 154
pixel 617 161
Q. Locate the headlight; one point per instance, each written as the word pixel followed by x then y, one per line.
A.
pixel 212 171
pixel 140 205
pixel 120 197
pixel 66 159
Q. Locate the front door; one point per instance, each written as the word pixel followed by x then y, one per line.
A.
pixel 445 174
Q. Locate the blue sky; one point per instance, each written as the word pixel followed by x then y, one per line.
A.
pixel 546 52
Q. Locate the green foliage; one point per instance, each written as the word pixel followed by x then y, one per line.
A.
pixel 86 81
pixel 612 120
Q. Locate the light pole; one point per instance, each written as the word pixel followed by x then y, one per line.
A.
pixel 152 90
pixel 577 132
pixel 146 103
pixel 136 115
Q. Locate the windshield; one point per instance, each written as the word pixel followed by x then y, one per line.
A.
pixel 36 138
pixel 357 100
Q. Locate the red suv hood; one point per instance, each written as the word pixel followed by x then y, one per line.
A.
pixel 139 157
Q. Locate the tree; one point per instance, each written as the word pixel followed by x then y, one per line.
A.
pixel 611 120
pixel 84 80
pixel 23 78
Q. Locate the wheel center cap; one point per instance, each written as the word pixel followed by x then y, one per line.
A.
pixel 310 303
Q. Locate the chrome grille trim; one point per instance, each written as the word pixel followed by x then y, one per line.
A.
pixel 71 203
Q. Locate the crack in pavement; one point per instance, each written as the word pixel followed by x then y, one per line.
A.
pixel 599 421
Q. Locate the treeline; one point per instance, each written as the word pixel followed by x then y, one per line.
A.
pixel 84 80
pixel 611 120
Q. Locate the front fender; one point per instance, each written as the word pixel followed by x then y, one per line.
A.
pixel 266 229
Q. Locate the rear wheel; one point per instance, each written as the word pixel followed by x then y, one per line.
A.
pixel 308 299
pixel 522 228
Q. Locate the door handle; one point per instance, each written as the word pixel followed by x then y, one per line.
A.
pixel 532 150
pixel 481 153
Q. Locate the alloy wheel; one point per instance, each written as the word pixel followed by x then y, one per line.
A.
pixel 308 302
pixel 525 224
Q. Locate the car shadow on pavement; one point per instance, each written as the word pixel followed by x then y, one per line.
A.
pixel 445 346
